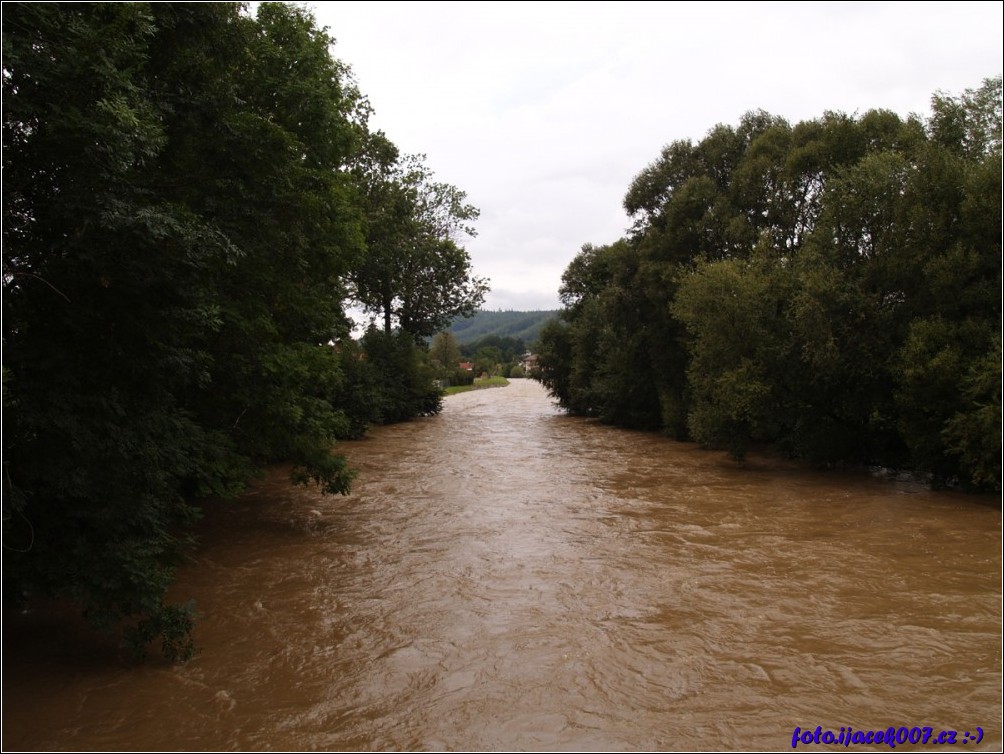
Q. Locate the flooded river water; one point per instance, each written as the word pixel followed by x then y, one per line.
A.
pixel 505 577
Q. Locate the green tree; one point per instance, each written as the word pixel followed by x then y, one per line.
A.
pixel 972 434
pixel 405 386
pixel 832 288
pixel 970 123
pixel 946 371
pixel 291 135
pixel 743 373
pixel 178 218
pixel 489 360
pixel 103 292
pixel 439 286
pixel 606 364
pixel 414 271
pixel 445 351
pixel 554 361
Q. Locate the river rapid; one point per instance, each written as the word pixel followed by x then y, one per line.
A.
pixel 505 577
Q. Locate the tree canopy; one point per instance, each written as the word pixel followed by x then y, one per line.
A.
pixel 831 288
pixel 183 224
pixel 415 273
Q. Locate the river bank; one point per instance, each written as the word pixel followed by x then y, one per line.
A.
pixel 480 383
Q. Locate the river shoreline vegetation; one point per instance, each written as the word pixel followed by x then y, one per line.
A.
pixel 830 288
pixel 457 363
pixel 479 383
pixel 193 198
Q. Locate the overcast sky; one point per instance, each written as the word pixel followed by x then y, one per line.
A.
pixel 544 112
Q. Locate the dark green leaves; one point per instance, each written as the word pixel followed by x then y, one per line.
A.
pixel 414 272
pixel 831 288
pixel 180 221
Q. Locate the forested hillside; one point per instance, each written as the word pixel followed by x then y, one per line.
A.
pixel 830 287
pixel 506 324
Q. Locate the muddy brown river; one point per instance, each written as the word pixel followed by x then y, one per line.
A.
pixel 505 577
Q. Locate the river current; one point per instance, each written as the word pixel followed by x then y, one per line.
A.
pixel 505 577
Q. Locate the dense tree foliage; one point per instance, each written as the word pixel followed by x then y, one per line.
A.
pixel 183 219
pixel 831 288
pixel 414 274
pixel 444 351
pixel 494 355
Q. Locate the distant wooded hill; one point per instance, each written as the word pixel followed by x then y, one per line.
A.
pixel 506 324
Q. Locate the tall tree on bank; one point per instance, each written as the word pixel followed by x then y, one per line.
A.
pixel 444 351
pixel 414 273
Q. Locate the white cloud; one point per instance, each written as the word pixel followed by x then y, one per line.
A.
pixel 544 112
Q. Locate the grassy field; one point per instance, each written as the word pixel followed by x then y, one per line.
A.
pixel 478 385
